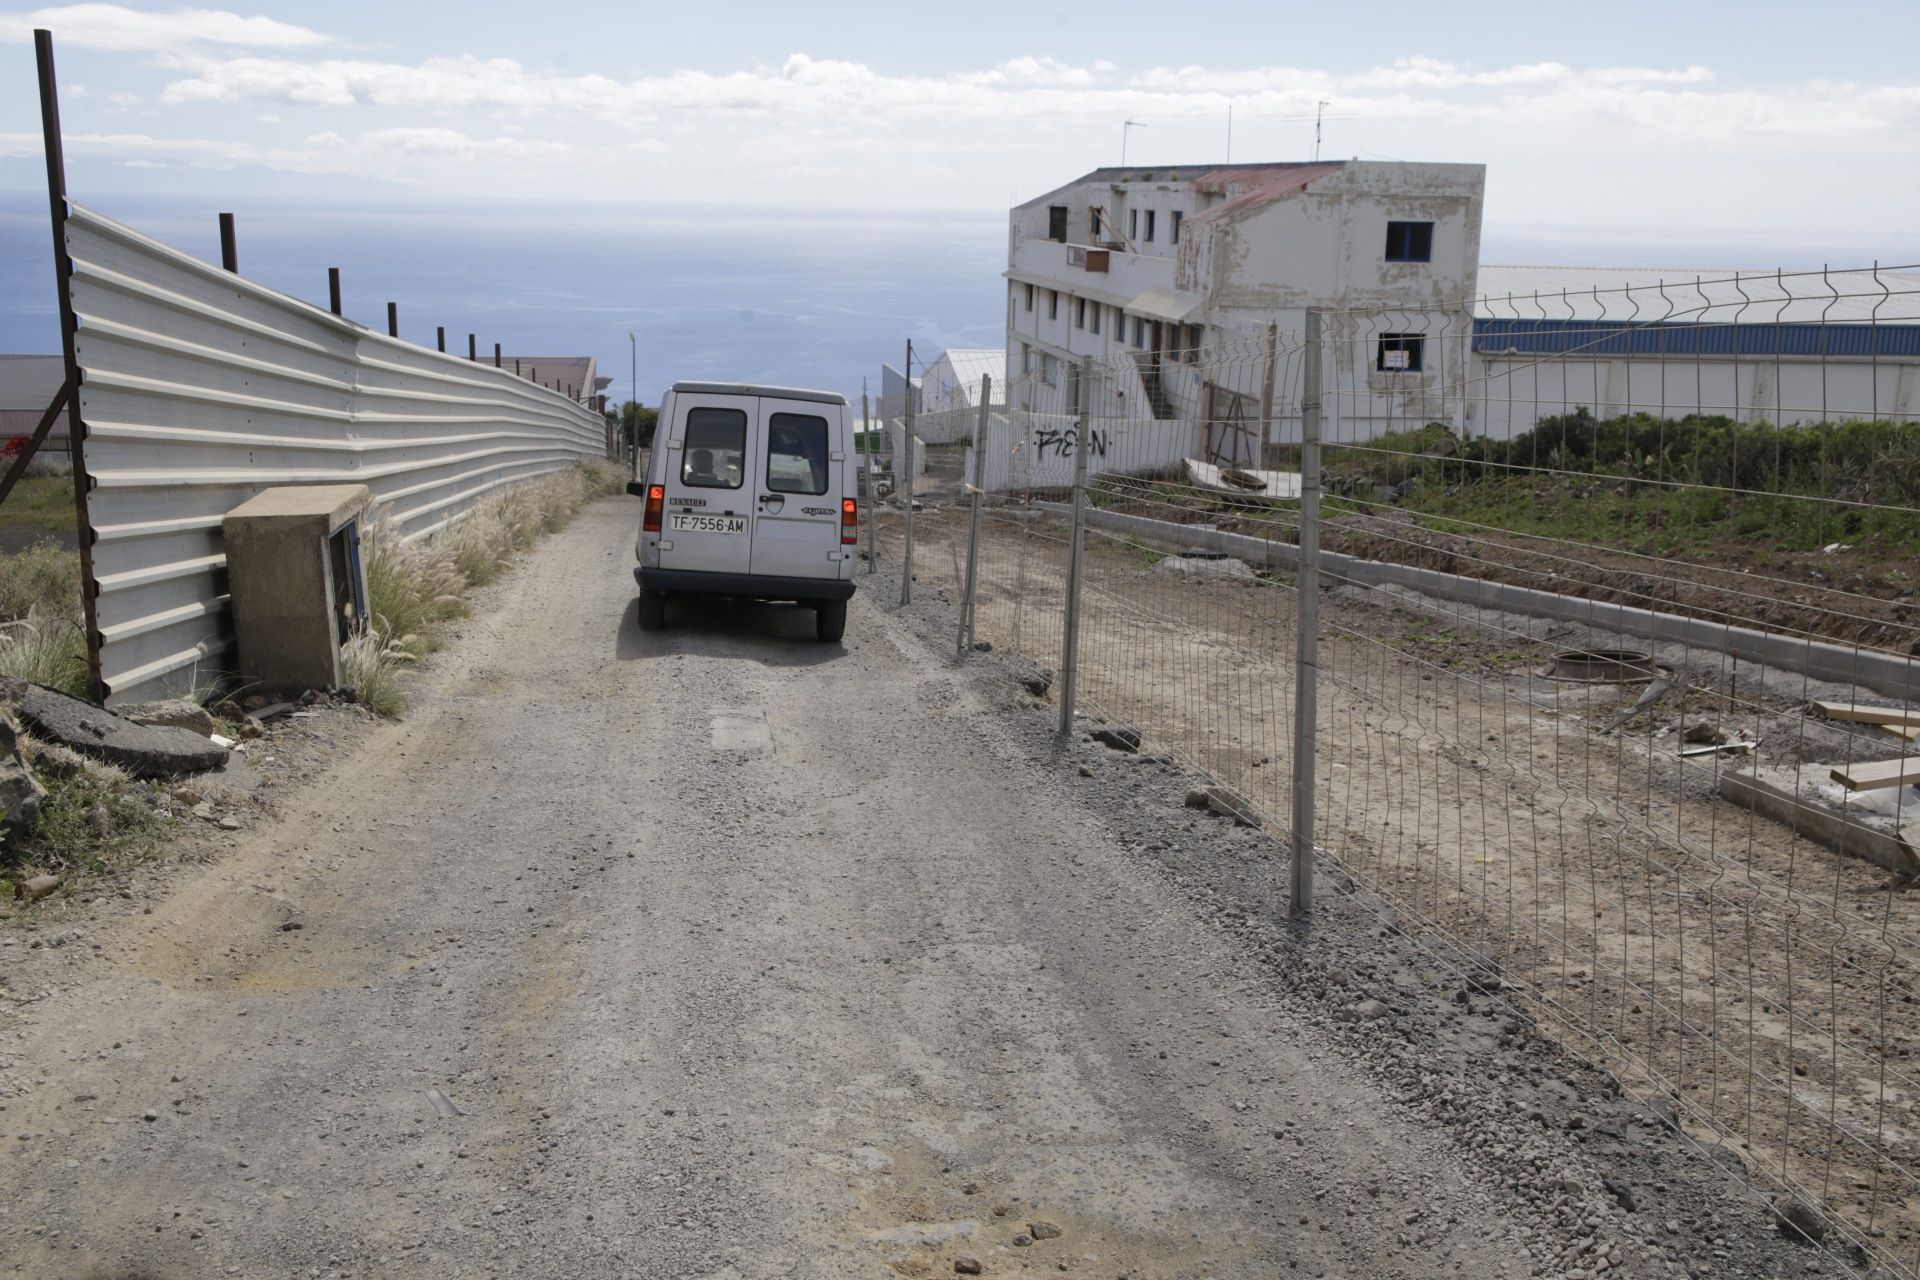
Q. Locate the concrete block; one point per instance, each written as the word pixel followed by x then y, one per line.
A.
pixel 284 581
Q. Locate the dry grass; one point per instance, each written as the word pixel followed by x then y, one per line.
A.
pixel 415 589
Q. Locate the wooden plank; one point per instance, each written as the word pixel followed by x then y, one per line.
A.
pixel 1872 777
pixel 1858 714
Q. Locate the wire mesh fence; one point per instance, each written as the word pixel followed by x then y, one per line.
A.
pixel 1614 659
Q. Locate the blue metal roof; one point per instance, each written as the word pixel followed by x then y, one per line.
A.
pixel 1624 338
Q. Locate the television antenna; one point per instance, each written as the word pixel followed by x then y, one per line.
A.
pixel 1125 128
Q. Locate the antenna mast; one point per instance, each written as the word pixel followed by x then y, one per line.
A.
pixel 1319 112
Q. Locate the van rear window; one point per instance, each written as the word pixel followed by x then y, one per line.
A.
pixel 796 453
pixel 715 456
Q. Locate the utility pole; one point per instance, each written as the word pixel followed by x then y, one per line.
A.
pixel 633 397
pixel 1124 129
pixel 1319 114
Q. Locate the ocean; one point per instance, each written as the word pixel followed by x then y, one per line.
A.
pixel 818 299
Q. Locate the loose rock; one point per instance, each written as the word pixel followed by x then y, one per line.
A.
pixel 178 713
pixel 1120 737
pixel 966 1266
pixel 1799 1221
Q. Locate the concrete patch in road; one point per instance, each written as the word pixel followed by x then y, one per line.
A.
pixel 743 731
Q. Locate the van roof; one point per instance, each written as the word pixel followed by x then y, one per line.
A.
pixel 750 389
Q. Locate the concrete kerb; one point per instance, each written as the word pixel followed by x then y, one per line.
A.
pixel 1884 673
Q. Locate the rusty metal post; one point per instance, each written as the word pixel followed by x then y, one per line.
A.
pixel 229 250
pixel 333 290
pixel 440 336
pixel 393 319
pixel 473 349
pixel 63 282
pixel 496 355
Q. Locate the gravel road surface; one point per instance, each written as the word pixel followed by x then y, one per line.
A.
pixel 730 955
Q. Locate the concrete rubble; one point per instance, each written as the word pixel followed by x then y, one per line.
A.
pixel 146 751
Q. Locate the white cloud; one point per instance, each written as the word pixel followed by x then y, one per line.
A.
pixel 832 93
pixel 400 154
pixel 117 28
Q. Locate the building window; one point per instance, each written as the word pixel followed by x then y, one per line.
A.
pixel 1133 224
pixel 1095 216
pixel 1026 358
pixel 1053 304
pixel 1174 237
pixel 1409 242
pixel 1057 223
pixel 1029 297
pixel 1140 333
pixel 1150 216
pixel 1096 309
pixel 1119 324
pixel 1047 365
pixel 1079 313
pixel 1401 353
pixel 1195 334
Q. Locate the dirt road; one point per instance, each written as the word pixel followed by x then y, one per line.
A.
pixel 740 956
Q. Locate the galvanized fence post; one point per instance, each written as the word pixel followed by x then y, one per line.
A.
pixel 906 450
pixel 965 641
pixel 1070 647
pixel 873 497
pixel 1307 642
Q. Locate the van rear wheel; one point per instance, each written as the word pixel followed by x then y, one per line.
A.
pixel 652 610
pixel 829 619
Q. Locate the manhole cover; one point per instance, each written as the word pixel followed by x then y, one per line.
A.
pixel 1603 666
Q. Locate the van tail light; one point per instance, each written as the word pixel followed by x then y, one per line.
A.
pixel 656 499
pixel 849 522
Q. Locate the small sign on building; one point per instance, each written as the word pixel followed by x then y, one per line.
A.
pixel 1394 359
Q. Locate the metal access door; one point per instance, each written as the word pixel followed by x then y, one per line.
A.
pixel 711 469
pixel 802 479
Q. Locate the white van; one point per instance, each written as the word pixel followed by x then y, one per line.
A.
pixel 750 493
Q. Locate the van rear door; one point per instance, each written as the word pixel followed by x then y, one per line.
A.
pixel 802 477
pixel 711 470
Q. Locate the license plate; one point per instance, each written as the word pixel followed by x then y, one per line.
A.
pixel 686 522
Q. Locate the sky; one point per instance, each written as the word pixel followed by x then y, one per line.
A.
pixel 1697 133
pixel 1628 118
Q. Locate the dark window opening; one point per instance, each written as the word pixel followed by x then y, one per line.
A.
pixel 796 453
pixel 1140 333
pixel 1174 238
pixel 1409 242
pixel 1057 223
pixel 1150 216
pixel 1401 353
pixel 1029 297
pixel 715 452
pixel 1053 304
pixel 1133 224
pixel 1095 318
pixel 1194 334
pixel 1080 313
pixel 1095 216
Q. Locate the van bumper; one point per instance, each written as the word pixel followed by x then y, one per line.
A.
pixel 748 586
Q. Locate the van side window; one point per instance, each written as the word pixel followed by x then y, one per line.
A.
pixel 715 456
pixel 796 453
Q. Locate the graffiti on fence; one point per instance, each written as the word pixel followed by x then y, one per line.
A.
pixel 1060 439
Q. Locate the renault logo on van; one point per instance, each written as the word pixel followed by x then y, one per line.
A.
pixel 816 511
pixel 687 502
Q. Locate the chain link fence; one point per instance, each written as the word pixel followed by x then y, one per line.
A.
pixel 1578 632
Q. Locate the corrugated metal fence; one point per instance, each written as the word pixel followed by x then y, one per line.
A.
pixel 200 388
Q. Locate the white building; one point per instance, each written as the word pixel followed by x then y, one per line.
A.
pixel 1165 263
pixel 949 407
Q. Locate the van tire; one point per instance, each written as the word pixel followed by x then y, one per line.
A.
pixel 652 610
pixel 829 619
